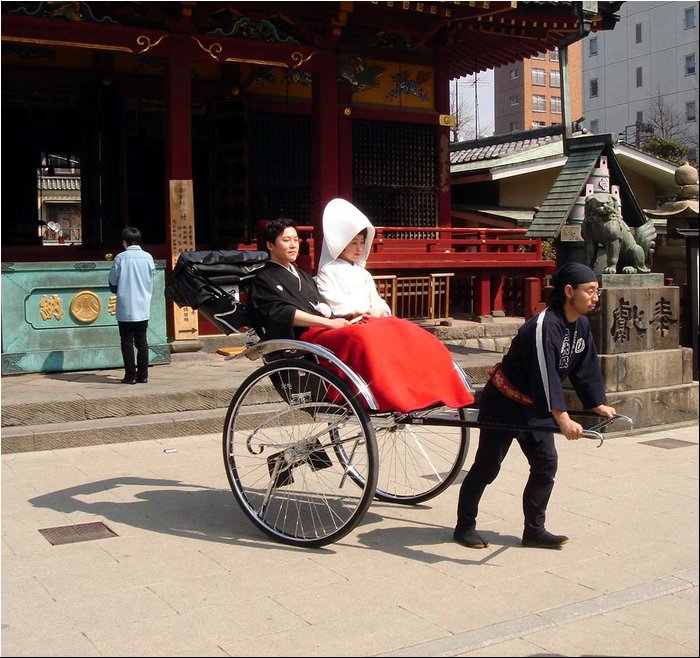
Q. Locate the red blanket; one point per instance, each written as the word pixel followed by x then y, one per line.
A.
pixel 405 366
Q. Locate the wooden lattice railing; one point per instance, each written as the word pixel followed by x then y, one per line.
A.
pixel 417 297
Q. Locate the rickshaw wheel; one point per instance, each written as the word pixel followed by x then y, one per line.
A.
pixel 282 428
pixel 417 461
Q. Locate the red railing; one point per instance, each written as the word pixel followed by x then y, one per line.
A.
pixel 459 247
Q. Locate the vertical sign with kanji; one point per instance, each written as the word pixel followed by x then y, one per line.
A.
pixel 182 239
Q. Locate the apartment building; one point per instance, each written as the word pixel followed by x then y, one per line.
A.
pixel 527 93
pixel 650 57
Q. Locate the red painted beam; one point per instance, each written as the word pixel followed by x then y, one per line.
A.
pixel 141 41
pixel 92 36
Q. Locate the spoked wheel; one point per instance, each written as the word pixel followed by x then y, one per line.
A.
pixel 284 426
pixel 418 461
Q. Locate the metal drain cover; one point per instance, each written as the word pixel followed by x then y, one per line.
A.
pixel 668 443
pixel 69 534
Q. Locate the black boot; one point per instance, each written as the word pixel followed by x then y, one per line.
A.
pixel 544 539
pixel 469 537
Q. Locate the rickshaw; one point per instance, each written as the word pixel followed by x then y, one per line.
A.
pixel 304 446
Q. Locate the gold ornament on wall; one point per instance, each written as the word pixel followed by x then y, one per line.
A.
pixel 85 307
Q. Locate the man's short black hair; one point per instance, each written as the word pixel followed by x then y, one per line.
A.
pixel 131 235
pixel 277 226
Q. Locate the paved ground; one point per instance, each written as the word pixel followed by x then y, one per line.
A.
pixel 187 575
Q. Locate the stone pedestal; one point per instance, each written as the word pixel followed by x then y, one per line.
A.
pixel 647 375
pixel 636 313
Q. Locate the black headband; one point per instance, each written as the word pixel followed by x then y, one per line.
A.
pixel 572 274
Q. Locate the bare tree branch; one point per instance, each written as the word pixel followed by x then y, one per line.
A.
pixel 668 122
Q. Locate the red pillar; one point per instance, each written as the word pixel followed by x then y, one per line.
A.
pixel 345 154
pixel 482 303
pixel 532 295
pixel 181 322
pixel 497 295
pixel 178 113
pixel 442 105
pixel 325 140
pixel 345 111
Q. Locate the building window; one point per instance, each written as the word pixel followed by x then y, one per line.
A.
pixel 638 33
pixel 539 77
pixel 554 79
pixel 539 124
pixel 514 75
pixel 514 125
pixel 555 104
pixel 554 55
pixel 689 18
pixel 594 126
pixel 60 220
pixel 593 46
pixel 593 88
pixel 690 111
pixel 690 64
pixel 640 117
pixel 515 100
pixel 640 79
pixel 539 103
pixel 538 56
pixel 692 154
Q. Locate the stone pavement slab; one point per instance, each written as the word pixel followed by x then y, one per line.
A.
pixel 188 575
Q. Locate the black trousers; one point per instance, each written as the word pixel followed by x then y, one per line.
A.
pixel 538 448
pixel 134 334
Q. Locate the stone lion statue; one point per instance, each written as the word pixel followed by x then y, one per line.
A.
pixel 626 253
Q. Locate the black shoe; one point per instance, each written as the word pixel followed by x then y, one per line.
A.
pixel 142 381
pixel 544 539
pixel 469 538
pixel 128 380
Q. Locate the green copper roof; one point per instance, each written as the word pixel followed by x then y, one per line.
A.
pixel 561 198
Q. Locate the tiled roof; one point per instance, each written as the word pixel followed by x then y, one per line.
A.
pixel 500 146
pixel 68 183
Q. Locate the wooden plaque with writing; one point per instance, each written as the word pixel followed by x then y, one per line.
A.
pixel 182 239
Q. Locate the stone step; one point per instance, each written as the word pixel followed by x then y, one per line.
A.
pixel 123 429
pixel 56 436
pixel 136 404
pixel 200 395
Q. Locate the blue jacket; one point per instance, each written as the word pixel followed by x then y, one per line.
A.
pixel 132 274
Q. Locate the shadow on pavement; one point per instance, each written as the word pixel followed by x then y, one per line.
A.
pixel 414 543
pixel 164 506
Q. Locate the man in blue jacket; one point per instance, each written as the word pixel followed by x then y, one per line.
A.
pixel 131 278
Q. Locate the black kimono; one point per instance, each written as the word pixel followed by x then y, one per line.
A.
pixel 275 294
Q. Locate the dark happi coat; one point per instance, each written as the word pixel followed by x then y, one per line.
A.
pixel 547 350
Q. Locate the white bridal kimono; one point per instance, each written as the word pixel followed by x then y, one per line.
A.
pixel 348 288
pixel 389 353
